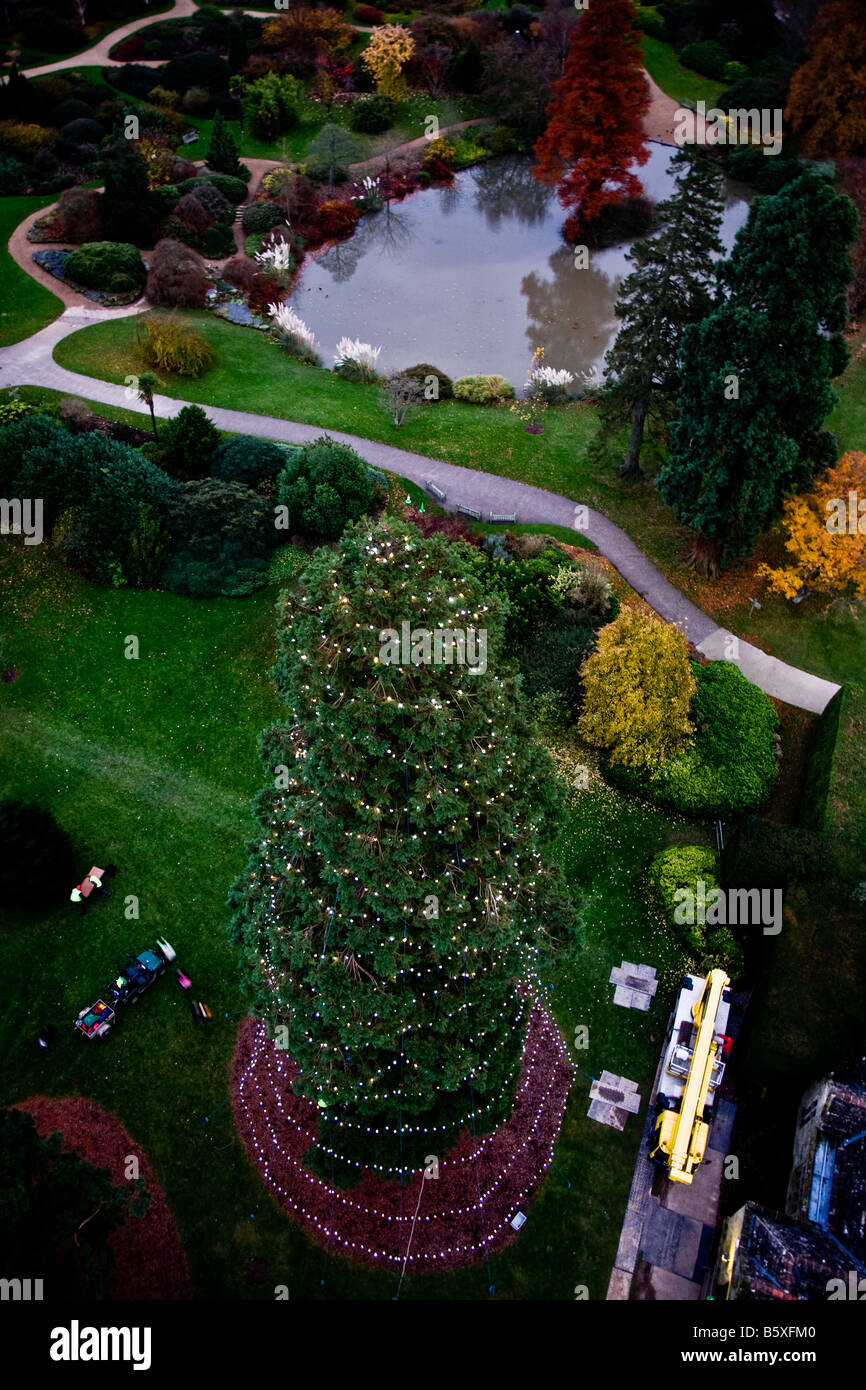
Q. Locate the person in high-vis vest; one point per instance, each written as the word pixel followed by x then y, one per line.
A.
pixel 76 896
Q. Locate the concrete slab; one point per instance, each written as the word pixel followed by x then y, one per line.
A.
pixel 666 1287
pixel 619 1288
pixel 723 1124
pixel 775 677
pixel 672 1242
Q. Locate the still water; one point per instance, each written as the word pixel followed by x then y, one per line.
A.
pixel 474 277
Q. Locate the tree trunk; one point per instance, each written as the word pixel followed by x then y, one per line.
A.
pixel 631 468
pixel 704 555
pixel 153 417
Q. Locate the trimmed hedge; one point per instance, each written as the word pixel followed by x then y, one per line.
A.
pixel 834 796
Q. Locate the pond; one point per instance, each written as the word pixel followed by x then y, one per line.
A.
pixel 473 277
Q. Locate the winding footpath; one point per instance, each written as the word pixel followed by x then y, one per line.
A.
pixel 31 363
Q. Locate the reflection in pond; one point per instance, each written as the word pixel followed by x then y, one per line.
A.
pixel 474 277
pixel 505 188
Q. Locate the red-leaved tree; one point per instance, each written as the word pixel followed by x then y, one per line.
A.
pixel 595 121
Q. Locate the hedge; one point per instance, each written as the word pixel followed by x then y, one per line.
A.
pixel 731 765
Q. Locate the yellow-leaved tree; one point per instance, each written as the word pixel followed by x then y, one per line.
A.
pixel 390 48
pixel 825 536
pixel 638 688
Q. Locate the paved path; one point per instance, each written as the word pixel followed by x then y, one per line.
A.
pixel 32 363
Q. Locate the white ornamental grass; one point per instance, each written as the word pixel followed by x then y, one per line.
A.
pixel 370 187
pixel 551 376
pixel 277 257
pixel 353 350
pixel 292 324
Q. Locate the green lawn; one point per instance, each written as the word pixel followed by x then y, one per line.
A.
pixel 251 373
pixel 151 764
pixel 293 146
pixel 676 81
pixel 260 378
pixel 25 305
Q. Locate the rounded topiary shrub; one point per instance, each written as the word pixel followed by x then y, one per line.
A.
pixel 83 131
pixel 219 241
pixel 114 267
pixel 372 115
pixel 71 110
pixel 323 487
pixel 440 388
pixel 261 217
pixel 483 390
pixel 177 277
pixel 245 459
pixel 730 765
pixel 235 190
pixel 215 202
pixel 684 878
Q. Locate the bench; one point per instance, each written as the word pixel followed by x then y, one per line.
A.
pixel 503 516
pixel 469 511
pixel 436 491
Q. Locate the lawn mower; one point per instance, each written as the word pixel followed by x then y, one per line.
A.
pixel 135 975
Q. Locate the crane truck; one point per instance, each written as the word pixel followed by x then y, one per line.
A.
pixel 692 1072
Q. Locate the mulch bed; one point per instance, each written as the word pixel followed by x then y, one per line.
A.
pixel 449 1222
pixel 149 1261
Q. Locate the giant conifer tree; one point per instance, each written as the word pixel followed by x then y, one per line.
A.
pixel 396 896
pixel 671 286
pixel 756 373
pixel 595 122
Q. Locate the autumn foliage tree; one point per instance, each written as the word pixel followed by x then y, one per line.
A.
pixel 638 686
pixel 303 35
pixel 385 56
pixel 825 536
pixel 595 131
pixel 827 96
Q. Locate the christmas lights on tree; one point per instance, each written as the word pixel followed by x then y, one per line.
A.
pixel 394 907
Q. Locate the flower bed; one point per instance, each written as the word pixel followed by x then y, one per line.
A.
pixel 54 261
pixel 149 1261
pixel 231 304
pixel 462 1216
